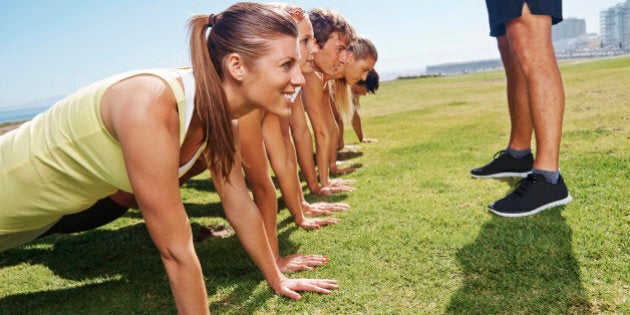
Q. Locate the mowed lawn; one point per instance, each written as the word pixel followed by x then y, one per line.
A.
pixel 418 238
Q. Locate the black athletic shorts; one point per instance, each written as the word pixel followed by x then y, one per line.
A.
pixel 501 11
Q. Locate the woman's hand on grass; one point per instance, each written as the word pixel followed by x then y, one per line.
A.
pixel 334 186
pixel 338 182
pixel 290 287
pixel 329 190
pixel 298 262
pixel 323 208
pixel 314 224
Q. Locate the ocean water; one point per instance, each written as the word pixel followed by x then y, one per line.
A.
pixel 11 114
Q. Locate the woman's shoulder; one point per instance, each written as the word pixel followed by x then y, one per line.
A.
pixel 147 79
pixel 140 96
pixel 140 87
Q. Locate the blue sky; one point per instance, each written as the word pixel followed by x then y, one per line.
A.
pixel 51 48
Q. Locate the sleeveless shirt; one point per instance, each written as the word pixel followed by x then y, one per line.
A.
pixel 64 160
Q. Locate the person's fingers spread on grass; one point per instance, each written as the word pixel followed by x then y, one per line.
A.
pixel 288 268
pixel 314 212
pixel 285 291
pixel 309 224
pixel 298 262
pixel 324 208
pixel 329 206
pixel 341 182
pixel 329 190
pixel 312 224
pixel 323 191
pixel 313 260
pixel 288 287
pixel 338 206
pixel 326 221
pixel 320 285
pixel 292 265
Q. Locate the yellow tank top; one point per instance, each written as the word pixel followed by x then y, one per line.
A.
pixel 64 160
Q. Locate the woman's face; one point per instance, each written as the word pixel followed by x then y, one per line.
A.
pixel 272 78
pixel 357 70
pixel 308 48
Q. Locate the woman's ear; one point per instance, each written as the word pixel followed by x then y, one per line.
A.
pixel 235 66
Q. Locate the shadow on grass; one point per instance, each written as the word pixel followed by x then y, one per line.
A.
pixel 120 271
pixel 337 197
pixel 523 265
pixel 201 185
pixel 194 210
pixel 348 155
pixel 199 210
pixel 347 165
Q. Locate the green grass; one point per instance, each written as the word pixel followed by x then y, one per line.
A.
pixel 418 238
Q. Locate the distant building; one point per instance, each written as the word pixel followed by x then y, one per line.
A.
pixel 584 46
pixel 570 41
pixel 615 26
pixel 464 67
pixel 569 28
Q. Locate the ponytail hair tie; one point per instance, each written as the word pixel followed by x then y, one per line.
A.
pixel 212 20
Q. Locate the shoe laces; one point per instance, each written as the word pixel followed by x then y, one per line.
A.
pixel 523 185
pixel 499 153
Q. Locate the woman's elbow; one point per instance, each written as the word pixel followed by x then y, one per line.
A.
pixel 323 133
pixel 178 256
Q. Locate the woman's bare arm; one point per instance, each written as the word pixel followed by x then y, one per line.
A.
pixel 248 225
pixel 142 115
pixel 313 95
pixel 257 174
pixel 283 161
pixel 304 145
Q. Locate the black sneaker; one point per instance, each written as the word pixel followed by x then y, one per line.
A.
pixel 532 195
pixel 504 165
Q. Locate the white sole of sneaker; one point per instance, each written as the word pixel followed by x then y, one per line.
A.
pixel 539 209
pixel 502 175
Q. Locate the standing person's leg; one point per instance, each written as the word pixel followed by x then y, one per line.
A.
pixel 529 37
pixel 518 99
pixel 516 160
pixel 530 41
